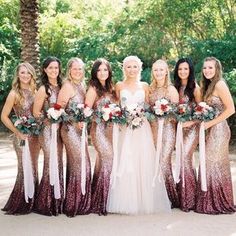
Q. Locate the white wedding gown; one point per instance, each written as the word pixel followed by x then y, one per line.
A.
pixel 131 188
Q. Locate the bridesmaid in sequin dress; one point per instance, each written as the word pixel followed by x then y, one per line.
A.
pixel 218 199
pixel 73 91
pixel 101 90
pixel 161 87
pixel 20 99
pixel 189 92
pixel 46 203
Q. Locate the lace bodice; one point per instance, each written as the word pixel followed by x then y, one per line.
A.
pixel 127 97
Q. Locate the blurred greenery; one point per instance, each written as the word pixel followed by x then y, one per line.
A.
pixel 150 29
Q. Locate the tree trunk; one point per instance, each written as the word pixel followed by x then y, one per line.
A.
pixel 29 12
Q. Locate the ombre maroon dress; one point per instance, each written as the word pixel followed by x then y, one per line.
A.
pixel 75 202
pixel 45 202
pixel 168 145
pixel 188 181
pixel 101 135
pixel 16 203
pixel 218 199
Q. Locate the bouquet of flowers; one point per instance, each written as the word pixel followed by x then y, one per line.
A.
pixel 162 107
pixel 80 112
pixel 111 112
pixel 203 112
pixel 56 114
pixel 135 115
pixel 27 125
pixel 183 112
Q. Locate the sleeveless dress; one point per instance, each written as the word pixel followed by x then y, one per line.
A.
pixel 188 185
pixel 168 146
pixel 101 137
pixel 45 202
pixel 218 199
pixel 16 203
pixel 75 202
pixel 131 190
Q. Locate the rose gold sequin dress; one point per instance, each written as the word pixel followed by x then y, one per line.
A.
pixel 187 188
pixel 75 202
pixel 16 203
pixel 45 202
pixel 101 135
pixel 218 199
pixel 168 145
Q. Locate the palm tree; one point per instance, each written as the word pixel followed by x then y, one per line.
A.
pixel 29 12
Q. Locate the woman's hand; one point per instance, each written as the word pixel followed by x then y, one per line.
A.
pixel 21 136
pixel 188 124
pixel 79 125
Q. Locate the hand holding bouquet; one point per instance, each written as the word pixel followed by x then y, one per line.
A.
pixel 183 112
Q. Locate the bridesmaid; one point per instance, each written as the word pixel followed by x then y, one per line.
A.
pixel 20 99
pixel 189 92
pixel 73 91
pixel 46 203
pixel 161 87
pixel 218 199
pixel 101 90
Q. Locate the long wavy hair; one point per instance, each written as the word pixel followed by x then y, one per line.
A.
pixel 69 65
pixel 44 77
pixel 191 84
pixel 94 81
pixel 153 85
pixel 16 82
pixel 208 85
pixel 132 58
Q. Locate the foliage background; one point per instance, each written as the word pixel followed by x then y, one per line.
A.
pixel 150 29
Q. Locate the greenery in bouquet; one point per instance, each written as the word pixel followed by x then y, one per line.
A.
pixel 183 112
pixel 203 112
pixel 110 112
pixel 80 112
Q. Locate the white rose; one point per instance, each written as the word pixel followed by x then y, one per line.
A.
pixel 80 105
pixel 106 116
pixel 87 112
pixel 136 121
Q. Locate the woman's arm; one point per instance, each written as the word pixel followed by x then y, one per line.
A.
pixel 66 92
pixel 197 94
pixel 174 95
pixel 146 89
pixel 38 101
pixel 10 101
pixel 90 97
pixel 222 91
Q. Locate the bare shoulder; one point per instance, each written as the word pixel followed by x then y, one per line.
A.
pixel 221 84
pixel 145 85
pixel 92 90
pixel 119 85
pixel 172 89
pixel 12 94
pixel 67 84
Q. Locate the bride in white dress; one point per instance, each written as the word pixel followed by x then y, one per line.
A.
pixel 132 190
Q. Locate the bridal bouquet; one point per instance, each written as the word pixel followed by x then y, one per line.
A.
pixel 135 115
pixel 80 112
pixel 183 112
pixel 56 114
pixel 162 107
pixel 111 112
pixel 203 112
pixel 27 125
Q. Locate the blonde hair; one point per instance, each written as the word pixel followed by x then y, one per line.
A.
pixel 16 82
pixel 132 58
pixel 153 85
pixel 208 86
pixel 69 65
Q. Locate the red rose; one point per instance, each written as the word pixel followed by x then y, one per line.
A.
pixel 163 107
pixel 106 105
pixel 199 108
pixel 110 115
pixel 57 106
pixel 181 110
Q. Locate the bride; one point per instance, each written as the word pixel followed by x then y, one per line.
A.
pixel 132 190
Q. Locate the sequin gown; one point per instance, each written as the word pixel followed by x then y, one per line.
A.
pixel 16 203
pixel 45 202
pixel 101 136
pixel 168 145
pixel 131 191
pixel 75 202
pixel 187 188
pixel 218 199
